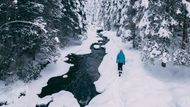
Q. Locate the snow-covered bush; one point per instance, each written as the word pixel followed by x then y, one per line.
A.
pixel 151 50
pixel 181 57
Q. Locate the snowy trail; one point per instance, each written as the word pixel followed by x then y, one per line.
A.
pixel 135 88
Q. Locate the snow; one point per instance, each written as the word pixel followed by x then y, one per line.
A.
pixel 65 76
pixel 40 23
pixel 136 87
pixel 126 33
pixel 145 3
pixel 15 1
pixel 144 21
pixel 165 57
pixel 57 40
pixel 64 99
pixel 85 47
pixel 96 46
pixel 178 11
pixel 164 32
pixel 137 4
pixel 139 86
pixel 187 3
pixel 11 92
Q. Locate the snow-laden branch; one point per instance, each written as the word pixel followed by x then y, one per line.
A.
pixel 25 22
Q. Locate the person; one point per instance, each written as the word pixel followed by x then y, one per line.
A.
pixel 120 61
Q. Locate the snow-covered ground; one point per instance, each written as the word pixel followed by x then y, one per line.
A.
pixel 137 87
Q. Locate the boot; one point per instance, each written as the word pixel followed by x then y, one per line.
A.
pixel 120 73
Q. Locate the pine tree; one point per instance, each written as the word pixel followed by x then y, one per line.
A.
pixel 28 31
pixel 157 27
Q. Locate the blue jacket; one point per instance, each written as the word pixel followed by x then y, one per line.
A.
pixel 120 58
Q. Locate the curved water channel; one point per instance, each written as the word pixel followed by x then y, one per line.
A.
pixel 80 77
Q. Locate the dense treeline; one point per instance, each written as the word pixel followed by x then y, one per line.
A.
pixel 31 31
pixel 160 28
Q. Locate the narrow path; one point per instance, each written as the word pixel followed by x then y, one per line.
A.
pixel 135 88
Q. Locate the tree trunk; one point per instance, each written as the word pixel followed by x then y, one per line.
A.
pixel 185 35
pixel 133 28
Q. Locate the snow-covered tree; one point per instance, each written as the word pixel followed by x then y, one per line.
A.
pixel 157 27
pixel 123 16
pixel 31 30
pixel 165 23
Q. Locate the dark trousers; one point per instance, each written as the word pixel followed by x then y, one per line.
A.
pixel 120 66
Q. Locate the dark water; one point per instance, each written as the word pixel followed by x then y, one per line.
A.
pixel 3 103
pixel 81 76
